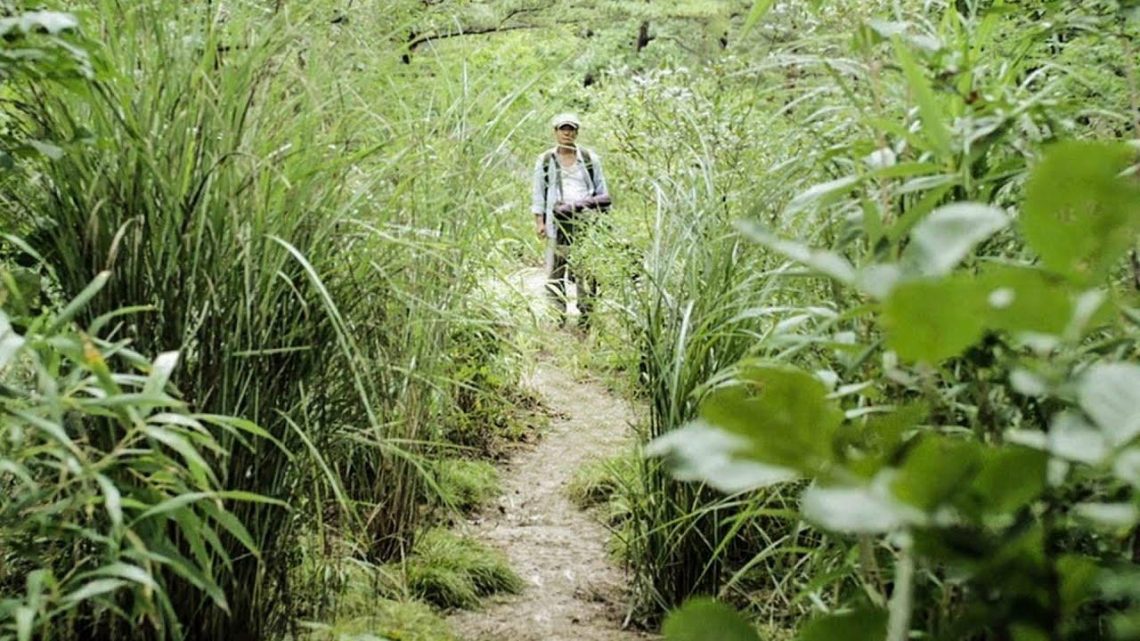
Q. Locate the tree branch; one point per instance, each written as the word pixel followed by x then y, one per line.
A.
pixel 418 39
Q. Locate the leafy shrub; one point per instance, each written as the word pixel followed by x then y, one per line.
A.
pixel 37 49
pixel 109 490
pixel 962 421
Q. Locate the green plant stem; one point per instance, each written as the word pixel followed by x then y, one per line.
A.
pixel 898 625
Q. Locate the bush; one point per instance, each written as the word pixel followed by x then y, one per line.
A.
pixel 109 489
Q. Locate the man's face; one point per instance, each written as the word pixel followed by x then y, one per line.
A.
pixel 566 135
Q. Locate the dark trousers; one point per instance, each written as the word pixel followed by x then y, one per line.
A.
pixel 561 272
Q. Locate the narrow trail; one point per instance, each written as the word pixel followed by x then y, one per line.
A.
pixel 573 589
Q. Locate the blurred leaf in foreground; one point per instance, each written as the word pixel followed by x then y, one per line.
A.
pixel 1081 214
pixel 707 620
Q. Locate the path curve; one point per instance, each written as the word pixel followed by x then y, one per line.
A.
pixel 574 592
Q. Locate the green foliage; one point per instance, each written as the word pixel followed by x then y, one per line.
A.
pixel 946 317
pixel 314 282
pixel 1079 215
pixel 111 498
pixel 394 620
pixel 490 407
pixel 969 496
pixel 464 484
pixel 604 482
pixel 707 620
pixel 450 571
pixel 39 48
pixel 861 624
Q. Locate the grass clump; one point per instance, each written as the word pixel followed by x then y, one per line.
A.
pixel 466 485
pixel 391 619
pixel 450 571
pixel 604 482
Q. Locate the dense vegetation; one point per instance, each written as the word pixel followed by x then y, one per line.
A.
pixel 872 272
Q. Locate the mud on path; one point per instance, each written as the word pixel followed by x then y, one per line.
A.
pixel 574 591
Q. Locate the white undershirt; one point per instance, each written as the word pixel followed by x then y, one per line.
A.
pixel 574 185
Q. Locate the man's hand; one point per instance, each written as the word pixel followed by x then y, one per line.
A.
pixel 539 227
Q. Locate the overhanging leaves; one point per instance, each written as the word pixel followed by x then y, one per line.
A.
pixel 1080 214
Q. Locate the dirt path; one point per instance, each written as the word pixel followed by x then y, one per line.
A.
pixel 574 591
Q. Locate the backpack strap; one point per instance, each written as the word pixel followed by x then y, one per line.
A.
pixel 548 164
pixel 588 158
pixel 546 171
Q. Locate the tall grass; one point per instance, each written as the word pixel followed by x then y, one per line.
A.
pixel 293 239
pixel 193 199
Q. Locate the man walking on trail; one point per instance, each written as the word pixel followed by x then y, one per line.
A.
pixel 568 186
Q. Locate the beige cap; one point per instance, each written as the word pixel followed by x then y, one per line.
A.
pixel 566 119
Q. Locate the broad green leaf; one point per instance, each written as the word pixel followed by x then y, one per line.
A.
pixel 949 234
pixel 821 194
pixel 783 412
pixel 931 113
pixel 707 620
pixel 1010 478
pixel 866 509
pixel 878 279
pixel 160 372
pixel 824 262
pixel 887 29
pixel 250 497
pixel 172 504
pixel 1117 516
pixel 236 426
pixel 53 152
pixel 112 499
pixel 935 471
pixel 194 461
pixel 127 572
pixel 702 452
pixel 10 341
pixel 52 22
pixel 231 524
pixel 869 446
pixel 1073 439
pixel 93 589
pixel 183 567
pixel 20 472
pixel 79 302
pixel 1080 214
pixel 1126 467
pixel 1110 394
pixel 50 428
pixel 25 622
pixel 862 624
pixel 1079 581
pixel 934 319
pixel 1024 299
